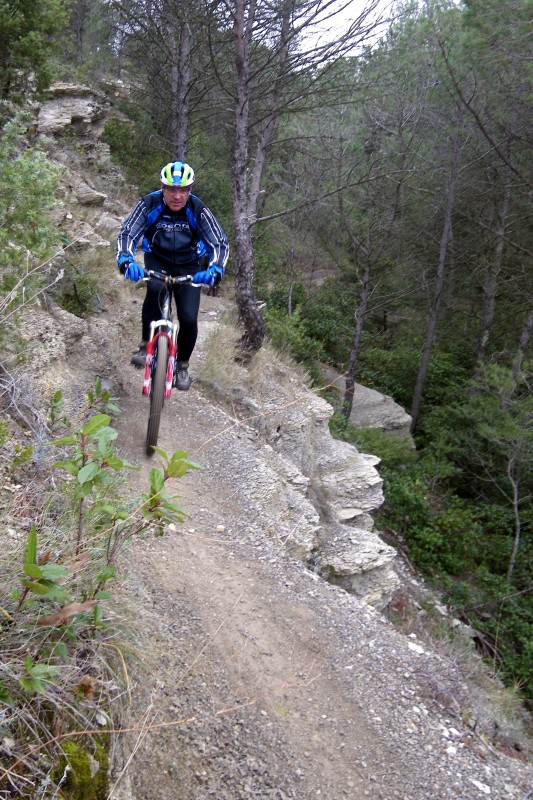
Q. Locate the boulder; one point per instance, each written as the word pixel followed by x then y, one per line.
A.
pixel 88 196
pixel 371 409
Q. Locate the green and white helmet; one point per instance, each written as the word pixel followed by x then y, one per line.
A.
pixel 177 174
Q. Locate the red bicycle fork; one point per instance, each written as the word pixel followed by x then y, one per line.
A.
pixel 171 360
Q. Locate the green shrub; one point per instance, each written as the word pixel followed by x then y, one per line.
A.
pixel 28 183
pixel 134 153
pixel 328 320
pixel 288 335
pixel 505 620
pixel 56 614
pixel 120 136
pixel 278 298
pixel 28 32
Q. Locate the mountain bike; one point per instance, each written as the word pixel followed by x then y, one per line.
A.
pixel 161 353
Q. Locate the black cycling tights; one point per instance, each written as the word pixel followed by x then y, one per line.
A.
pixel 187 299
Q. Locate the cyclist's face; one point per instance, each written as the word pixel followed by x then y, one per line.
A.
pixel 176 196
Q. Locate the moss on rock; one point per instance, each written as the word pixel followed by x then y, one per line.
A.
pixel 86 775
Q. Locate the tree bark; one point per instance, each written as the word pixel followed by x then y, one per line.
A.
pixel 180 87
pixel 356 342
pixel 516 514
pixel 78 19
pixel 254 328
pixel 490 287
pixel 439 285
pixel 246 190
pixel 523 343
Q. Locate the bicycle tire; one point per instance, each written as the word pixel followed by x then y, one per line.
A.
pixel 157 394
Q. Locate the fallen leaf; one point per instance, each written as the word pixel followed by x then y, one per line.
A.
pixel 70 610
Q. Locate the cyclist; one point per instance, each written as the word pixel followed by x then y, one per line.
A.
pixel 177 230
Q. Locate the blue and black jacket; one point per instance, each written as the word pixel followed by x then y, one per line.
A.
pixel 172 236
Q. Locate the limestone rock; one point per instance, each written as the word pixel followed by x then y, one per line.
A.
pixel 72 105
pixel 53 332
pixel 343 485
pixel 88 196
pixel 59 341
pixel 107 225
pixel 349 481
pixel 371 409
pixel 359 563
pixel 278 490
pixel 83 237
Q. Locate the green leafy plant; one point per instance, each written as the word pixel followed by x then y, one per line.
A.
pixel 37 675
pixel 57 615
pixel 28 185
pixel 289 336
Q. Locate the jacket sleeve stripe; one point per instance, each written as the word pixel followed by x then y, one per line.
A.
pixel 214 236
pixel 131 230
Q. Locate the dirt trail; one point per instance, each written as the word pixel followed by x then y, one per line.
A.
pixel 257 679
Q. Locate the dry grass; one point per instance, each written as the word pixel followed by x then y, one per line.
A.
pixel 267 374
pixel 493 711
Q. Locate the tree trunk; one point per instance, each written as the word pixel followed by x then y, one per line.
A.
pixel 276 26
pixel 356 342
pixel 516 514
pixel 246 191
pixel 437 295
pixel 254 328
pixel 490 287
pixel 78 19
pixel 180 88
pixel 524 341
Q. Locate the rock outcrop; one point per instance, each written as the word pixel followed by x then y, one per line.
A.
pixel 73 107
pixel 323 489
pixel 372 409
pixel 69 124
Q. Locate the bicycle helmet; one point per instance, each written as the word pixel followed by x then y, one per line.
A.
pixel 177 174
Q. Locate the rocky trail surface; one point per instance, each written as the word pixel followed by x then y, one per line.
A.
pixel 257 678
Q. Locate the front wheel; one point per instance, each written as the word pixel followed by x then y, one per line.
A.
pixel 157 394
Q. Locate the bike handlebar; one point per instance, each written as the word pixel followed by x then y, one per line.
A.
pixel 170 280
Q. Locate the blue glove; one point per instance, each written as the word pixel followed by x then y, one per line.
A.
pixel 134 272
pixel 211 276
pixel 122 261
